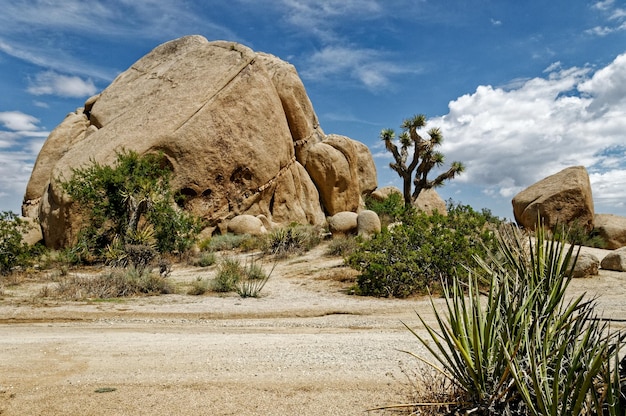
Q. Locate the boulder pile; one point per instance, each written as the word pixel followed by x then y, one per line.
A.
pixel 236 127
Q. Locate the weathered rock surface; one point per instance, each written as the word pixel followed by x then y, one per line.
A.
pixel 612 229
pixel 238 131
pixel 586 266
pixel 343 223
pixel 383 193
pixel 562 198
pixel 368 223
pixel 33 235
pixel 246 224
pixel 616 260
pixel 429 201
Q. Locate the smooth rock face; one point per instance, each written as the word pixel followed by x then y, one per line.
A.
pixel 383 193
pixel 246 224
pixel 586 266
pixel 563 198
pixel 429 201
pixel 616 260
pixel 612 229
pixel 237 129
pixel 343 223
pixel 368 223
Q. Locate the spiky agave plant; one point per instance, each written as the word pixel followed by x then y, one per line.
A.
pixel 524 347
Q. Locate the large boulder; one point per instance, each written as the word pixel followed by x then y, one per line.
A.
pixel 343 223
pixel 563 198
pixel 429 201
pixel 368 223
pixel 612 229
pixel 236 127
pixel 385 192
pixel 615 260
pixel 246 224
pixel 587 265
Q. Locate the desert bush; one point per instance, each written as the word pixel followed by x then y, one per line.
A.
pixel 131 201
pixel 205 259
pixel 13 252
pixel 198 287
pixel 295 239
pixel 114 284
pixel 228 241
pixel 341 246
pixel 229 273
pixel 423 249
pixel 389 210
pixel 253 280
pixel 577 234
pixel 523 347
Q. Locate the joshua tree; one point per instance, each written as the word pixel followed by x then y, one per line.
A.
pixel 425 157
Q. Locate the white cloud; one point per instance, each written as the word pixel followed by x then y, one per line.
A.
pixel 367 66
pixel 51 83
pixel 20 141
pixel 17 121
pixel 510 139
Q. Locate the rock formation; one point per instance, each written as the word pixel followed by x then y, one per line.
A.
pixel 612 229
pixel 236 127
pixel 563 198
pixel 615 260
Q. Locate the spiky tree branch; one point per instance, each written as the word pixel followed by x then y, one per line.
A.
pixel 424 158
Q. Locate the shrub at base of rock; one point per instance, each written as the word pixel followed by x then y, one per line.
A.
pixel 429 201
pixel 615 260
pixel 612 229
pixel 563 198
pixel 343 223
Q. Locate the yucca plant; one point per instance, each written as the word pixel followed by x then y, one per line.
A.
pixel 523 347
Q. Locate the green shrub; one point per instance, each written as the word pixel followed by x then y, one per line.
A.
pixel 131 201
pixel 227 241
pixel 525 348
pixel 13 252
pixel 389 210
pixel 198 287
pixel 417 254
pixel 206 260
pixel 341 246
pixel 294 239
pixel 253 281
pixel 229 273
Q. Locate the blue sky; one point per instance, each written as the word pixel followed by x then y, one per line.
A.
pixel 520 89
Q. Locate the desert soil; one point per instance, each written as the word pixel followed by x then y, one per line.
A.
pixel 305 347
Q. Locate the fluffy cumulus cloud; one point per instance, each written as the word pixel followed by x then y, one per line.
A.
pixel 512 137
pixel 20 141
pixel 51 83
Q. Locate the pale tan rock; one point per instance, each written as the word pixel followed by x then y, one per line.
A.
pixel 368 223
pixel 332 166
pixel 429 201
pixel 33 234
pixel 235 127
pixel 562 198
pixel 343 223
pixel 246 224
pixel 366 168
pixel 587 265
pixel 615 260
pixel 612 229
pixel 383 193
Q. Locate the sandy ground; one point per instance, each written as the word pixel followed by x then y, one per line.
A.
pixel 304 348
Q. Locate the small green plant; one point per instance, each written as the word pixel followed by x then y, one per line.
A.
pixel 295 239
pixel 524 347
pixel 575 233
pixel 226 242
pixel 253 280
pixel 229 273
pixel 13 251
pixel 206 260
pixel 342 246
pixel 389 210
pixel 198 287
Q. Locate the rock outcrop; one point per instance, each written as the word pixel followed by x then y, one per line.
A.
pixel 236 127
pixel 562 198
pixel 612 229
